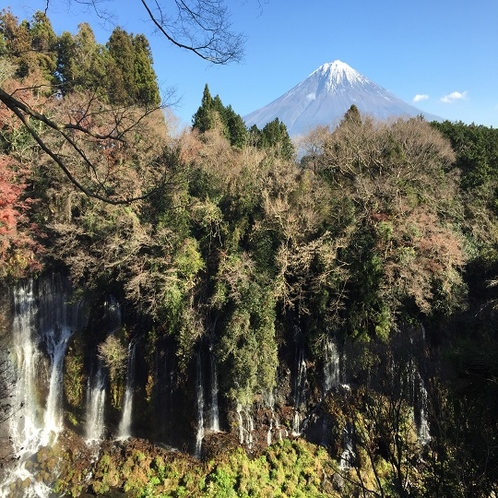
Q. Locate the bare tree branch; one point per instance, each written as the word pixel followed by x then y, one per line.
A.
pixel 203 29
pixel 122 126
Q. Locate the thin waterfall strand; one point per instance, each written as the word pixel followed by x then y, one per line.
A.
pixel 215 411
pixel 96 408
pixel 200 407
pixel 124 430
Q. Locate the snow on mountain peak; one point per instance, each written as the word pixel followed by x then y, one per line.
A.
pixel 338 73
pixel 324 97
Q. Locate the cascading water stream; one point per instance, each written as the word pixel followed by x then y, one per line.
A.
pixel 124 430
pixel 423 427
pixel 96 388
pixel 348 455
pixel 26 423
pixel 332 365
pixel 113 314
pixel 58 319
pixel 274 425
pixel 43 323
pixel 200 407
pixel 215 411
pixel 246 426
pixel 95 407
pixel 418 397
pixel 420 408
pixel 299 392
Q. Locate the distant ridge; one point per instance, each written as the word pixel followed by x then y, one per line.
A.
pixel 326 94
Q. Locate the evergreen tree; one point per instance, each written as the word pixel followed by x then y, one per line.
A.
pixel 146 87
pixel 254 136
pixel 237 131
pixel 81 61
pixel 213 113
pixel 121 72
pixel 120 47
pixel 64 74
pixel 30 46
pixel 203 118
pixel 352 115
pixel 43 43
pixel 275 135
pixel 17 42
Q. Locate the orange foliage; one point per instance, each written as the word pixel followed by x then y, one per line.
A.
pixel 18 249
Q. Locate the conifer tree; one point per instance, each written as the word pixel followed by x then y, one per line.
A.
pixel 275 134
pixel 201 27
pixel 81 61
pixel 236 128
pixel 43 43
pixel 146 87
pixel 352 115
pixel 17 42
pixel 213 113
pixel 203 118
pixel 120 47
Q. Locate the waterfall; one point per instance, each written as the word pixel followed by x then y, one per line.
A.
pixel 95 407
pixel 274 425
pixel 418 397
pixel 58 319
pixel 348 455
pixel 96 389
pixel 423 428
pixel 271 404
pixel 420 410
pixel 246 426
pixel 200 407
pixel 332 365
pixel 42 326
pixel 299 391
pixel 113 317
pixel 26 422
pixel 215 412
pixel 124 430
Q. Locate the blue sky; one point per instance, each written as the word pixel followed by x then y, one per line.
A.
pixel 443 54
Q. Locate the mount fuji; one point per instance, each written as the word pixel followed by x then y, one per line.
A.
pixel 325 95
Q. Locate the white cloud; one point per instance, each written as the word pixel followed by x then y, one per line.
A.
pixel 419 97
pixel 453 97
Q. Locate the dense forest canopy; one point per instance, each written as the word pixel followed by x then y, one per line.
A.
pixel 221 236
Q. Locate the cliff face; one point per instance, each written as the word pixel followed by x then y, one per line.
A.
pixel 85 418
pixel 59 345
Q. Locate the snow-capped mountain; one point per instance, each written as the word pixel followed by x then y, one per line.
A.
pixel 325 95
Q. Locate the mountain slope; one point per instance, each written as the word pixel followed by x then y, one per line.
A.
pixel 325 95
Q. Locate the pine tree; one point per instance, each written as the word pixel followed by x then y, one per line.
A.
pixel 81 62
pixel 237 131
pixel 43 43
pixel 275 134
pixel 203 118
pixel 120 47
pixel 146 87
pixel 352 115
